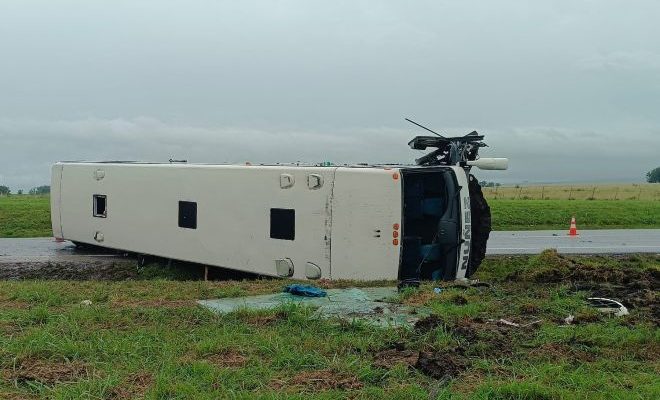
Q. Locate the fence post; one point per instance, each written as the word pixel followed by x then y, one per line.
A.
pixel 570 193
pixel 542 192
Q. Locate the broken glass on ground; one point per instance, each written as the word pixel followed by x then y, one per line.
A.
pixel 373 305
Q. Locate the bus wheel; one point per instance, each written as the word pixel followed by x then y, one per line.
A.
pixel 481 226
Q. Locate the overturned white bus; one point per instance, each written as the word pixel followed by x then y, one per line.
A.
pixel 306 222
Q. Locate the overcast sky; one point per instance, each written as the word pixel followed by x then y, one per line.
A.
pixel 568 90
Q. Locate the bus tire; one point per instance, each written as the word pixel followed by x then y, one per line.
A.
pixel 481 226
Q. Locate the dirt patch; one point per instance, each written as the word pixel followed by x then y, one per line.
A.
pixel 443 365
pixel 9 328
pixel 153 303
pixel 318 380
pixel 133 387
pixel 529 309
pixel 560 351
pixel 420 298
pixel 491 338
pixel 227 359
pixel 459 300
pixel 634 287
pixel 15 304
pixel 46 372
pixel 265 320
pixel 389 358
pixel 223 359
pixel 15 396
pixel 588 317
pixel 429 323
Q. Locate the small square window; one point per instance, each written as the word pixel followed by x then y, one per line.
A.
pixel 100 206
pixel 282 223
pixel 188 214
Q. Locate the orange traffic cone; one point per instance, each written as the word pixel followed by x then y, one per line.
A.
pixel 573 229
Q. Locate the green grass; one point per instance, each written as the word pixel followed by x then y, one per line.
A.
pixel 147 338
pixel 25 216
pixel 612 191
pixel 590 214
pixel 29 216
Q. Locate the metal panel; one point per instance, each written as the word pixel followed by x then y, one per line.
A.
pixel 55 200
pixel 366 206
pixel 233 206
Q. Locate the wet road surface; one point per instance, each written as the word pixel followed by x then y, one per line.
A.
pixel 44 258
pixel 605 241
pixel 501 242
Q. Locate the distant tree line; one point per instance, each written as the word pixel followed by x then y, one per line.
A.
pixel 489 184
pixel 653 176
pixel 39 190
pixel 45 189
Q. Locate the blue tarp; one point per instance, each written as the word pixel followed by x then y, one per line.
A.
pixel 305 290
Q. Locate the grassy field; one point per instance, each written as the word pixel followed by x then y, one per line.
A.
pixel 25 216
pixel 147 338
pixel 632 191
pixel 590 214
pixel 29 216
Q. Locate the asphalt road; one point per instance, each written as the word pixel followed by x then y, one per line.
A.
pixel 501 242
pixel 46 250
pixel 606 241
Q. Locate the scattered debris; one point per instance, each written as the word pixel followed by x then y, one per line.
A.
pixel 514 324
pixel 608 306
pixel 493 339
pixel 634 287
pixel 86 303
pixel 569 320
pixel 372 305
pixel 437 290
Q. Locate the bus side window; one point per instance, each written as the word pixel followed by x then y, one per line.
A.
pixel 282 223
pixel 100 205
pixel 188 214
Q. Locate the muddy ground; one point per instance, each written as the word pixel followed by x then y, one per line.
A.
pixel 632 286
pixel 114 267
pixel 92 269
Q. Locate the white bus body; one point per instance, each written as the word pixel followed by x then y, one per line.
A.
pixel 364 223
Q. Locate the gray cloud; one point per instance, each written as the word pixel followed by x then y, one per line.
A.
pixel 539 154
pixel 555 85
pixel 621 60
